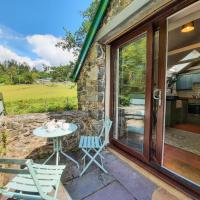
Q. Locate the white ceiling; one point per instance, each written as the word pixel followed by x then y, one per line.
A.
pixel 177 39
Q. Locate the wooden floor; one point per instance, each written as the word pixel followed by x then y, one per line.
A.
pixel 189 127
pixel 182 162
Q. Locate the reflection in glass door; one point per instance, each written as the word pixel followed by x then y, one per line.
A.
pixel 130 93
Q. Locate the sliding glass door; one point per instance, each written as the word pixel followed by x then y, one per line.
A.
pixel 155 94
pixel 130 93
pixel 132 83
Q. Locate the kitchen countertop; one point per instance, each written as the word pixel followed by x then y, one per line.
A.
pixel 173 98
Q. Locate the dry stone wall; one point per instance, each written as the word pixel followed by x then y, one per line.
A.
pixel 21 143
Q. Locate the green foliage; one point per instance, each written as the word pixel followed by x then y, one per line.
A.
pixel 62 73
pixel 12 73
pixel 124 100
pixel 75 40
pixel 3 142
pixel 132 70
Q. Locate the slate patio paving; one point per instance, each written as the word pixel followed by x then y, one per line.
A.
pixel 121 183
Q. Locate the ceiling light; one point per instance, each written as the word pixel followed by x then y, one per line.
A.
pixel 187 27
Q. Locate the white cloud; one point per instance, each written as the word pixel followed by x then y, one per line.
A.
pixel 7 33
pixel 44 47
pixel 7 54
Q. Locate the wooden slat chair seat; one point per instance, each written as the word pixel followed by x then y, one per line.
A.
pixel 34 182
pixel 96 144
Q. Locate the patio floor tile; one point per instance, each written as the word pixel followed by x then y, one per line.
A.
pixel 122 182
pixel 87 184
pixel 113 191
pixel 106 178
pixel 109 157
pixel 133 181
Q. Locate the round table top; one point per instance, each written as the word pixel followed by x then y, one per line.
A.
pixel 57 132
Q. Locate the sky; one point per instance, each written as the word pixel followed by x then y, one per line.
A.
pixel 29 30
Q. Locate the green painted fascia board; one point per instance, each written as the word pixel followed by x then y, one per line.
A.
pixel 103 5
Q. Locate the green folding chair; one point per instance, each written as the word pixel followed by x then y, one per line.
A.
pixel 33 182
pixel 92 146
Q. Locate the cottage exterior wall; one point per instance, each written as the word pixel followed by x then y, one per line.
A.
pixel 91 81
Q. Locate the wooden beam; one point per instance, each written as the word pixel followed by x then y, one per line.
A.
pixel 193 68
pixel 184 49
pixel 189 60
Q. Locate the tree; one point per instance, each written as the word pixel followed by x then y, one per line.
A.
pixel 75 40
pixel 61 73
pixel 12 72
pixel 132 70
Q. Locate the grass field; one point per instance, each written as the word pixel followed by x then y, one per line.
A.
pixel 20 99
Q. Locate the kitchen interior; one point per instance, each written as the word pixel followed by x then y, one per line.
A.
pixel 182 116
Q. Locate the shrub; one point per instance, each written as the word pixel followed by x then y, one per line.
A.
pixel 3 142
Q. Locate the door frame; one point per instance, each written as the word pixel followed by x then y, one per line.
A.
pixel 157 21
pixel 119 43
pixel 161 86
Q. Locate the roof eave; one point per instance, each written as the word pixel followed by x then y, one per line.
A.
pixel 103 5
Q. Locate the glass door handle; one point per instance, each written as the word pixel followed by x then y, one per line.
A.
pixel 157 95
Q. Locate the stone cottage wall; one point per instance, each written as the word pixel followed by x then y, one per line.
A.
pixel 116 6
pixel 91 82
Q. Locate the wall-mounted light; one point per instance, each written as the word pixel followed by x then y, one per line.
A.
pixel 187 27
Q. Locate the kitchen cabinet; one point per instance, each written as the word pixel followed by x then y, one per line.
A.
pixel 174 115
pixel 186 81
pixel 196 78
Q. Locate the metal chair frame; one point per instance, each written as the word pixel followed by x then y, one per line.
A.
pixel 95 144
pixel 34 182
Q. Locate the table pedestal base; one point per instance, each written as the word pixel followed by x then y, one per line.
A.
pixel 57 148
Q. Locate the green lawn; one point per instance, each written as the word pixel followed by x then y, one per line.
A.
pixel 20 99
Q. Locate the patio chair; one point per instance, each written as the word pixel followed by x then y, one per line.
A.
pixel 33 182
pixel 95 144
pixel 2 107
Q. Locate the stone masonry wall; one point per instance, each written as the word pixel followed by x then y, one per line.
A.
pixel 116 6
pixel 21 143
pixel 91 82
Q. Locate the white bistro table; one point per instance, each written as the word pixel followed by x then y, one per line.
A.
pixel 57 135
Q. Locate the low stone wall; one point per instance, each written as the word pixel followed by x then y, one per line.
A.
pixel 21 143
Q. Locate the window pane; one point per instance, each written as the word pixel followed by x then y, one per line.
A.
pixel 131 93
